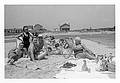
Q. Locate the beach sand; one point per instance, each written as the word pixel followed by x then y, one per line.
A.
pixel 46 68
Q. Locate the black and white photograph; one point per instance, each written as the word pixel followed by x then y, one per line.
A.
pixel 59 41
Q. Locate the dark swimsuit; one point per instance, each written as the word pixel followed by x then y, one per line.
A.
pixel 26 41
pixel 77 51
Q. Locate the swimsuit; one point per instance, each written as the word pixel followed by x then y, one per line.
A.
pixel 26 41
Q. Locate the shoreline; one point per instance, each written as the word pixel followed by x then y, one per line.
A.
pixel 69 33
pixel 107 39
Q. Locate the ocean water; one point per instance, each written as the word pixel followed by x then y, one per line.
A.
pixel 105 39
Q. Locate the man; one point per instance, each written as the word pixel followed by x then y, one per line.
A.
pixel 16 53
pixel 81 51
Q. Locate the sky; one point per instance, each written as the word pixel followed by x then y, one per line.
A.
pixel 52 16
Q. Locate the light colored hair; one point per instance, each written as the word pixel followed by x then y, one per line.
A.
pixel 78 38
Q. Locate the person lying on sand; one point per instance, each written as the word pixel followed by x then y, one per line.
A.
pixel 16 53
pixel 81 51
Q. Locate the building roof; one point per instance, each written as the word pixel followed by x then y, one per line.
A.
pixel 30 27
pixel 65 24
pixel 38 25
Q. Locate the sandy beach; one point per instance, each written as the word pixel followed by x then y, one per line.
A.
pixel 48 68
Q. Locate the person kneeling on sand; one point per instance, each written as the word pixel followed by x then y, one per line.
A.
pixel 81 51
pixel 16 53
pixel 35 50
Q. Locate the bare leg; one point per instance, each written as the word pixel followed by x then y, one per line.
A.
pixel 41 56
pixel 80 55
pixel 31 55
pixel 90 56
pixel 84 55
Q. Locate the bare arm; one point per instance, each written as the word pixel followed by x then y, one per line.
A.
pixel 30 52
pixel 31 35
pixel 20 35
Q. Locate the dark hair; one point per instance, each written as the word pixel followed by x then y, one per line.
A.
pixel 52 37
pixel 36 34
pixel 62 40
pixel 25 27
pixel 34 37
pixel 40 37
pixel 49 49
pixel 57 45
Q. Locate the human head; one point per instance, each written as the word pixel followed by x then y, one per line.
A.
pixel 57 45
pixel 52 37
pixel 49 49
pixel 61 40
pixel 35 41
pixel 40 38
pixel 77 40
pixel 21 45
pixel 25 29
pixel 35 34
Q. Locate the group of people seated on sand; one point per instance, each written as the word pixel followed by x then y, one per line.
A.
pixel 36 47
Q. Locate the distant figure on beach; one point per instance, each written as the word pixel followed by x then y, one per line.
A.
pixel 16 53
pixel 25 35
pixel 81 51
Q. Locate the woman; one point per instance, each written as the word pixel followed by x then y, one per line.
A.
pixel 80 50
pixel 26 35
pixel 16 53
pixel 36 49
